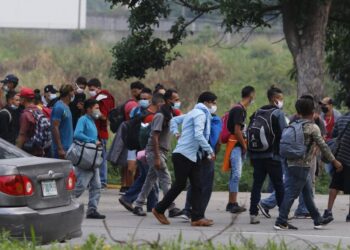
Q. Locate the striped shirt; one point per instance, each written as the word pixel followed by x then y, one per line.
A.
pixel 343 143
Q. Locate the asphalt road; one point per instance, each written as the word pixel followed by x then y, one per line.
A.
pixel 125 226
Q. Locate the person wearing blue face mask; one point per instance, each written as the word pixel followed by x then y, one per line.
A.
pixel 9 117
pixel 144 102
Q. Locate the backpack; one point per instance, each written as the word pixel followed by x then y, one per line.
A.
pixel 9 114
pixel 131 132
pixel 145 131
pixel 260 131
pixel 117 116
pixel 42 130
pixel 225 133
pixel 292 144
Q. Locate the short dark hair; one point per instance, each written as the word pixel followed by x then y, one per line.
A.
pixel 247 91
pixel 37 96
pixel 305 106
pixel 65 90
pixel 207 96
pixel 309 97
pixel 10 94
pixel 347 101
pixel 94 82
pixel 147 91
pixel 157 98
pixel 89 103
pixel 272 92
pixel 137 85
pixel 158 87
pixel 169 93
pixel 81 81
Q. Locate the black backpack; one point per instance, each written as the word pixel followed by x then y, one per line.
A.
pixel 131 132
pixel 260 132
pixel 117 116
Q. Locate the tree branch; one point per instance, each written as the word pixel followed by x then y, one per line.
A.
pixel 289 27
pixel 197 8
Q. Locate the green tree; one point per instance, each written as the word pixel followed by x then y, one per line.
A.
pixel 338 47
pixel 304 26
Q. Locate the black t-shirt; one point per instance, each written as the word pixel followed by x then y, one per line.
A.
pixel 9 124
pixel 76 113
pixel 237 116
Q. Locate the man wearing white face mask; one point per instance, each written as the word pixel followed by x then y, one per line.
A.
pixel 263 148
pixel 9 117
pixel 106 104
pixel 61 122
pixel 77 106
pixel 50 96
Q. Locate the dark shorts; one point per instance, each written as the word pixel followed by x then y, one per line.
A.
pixel 341 181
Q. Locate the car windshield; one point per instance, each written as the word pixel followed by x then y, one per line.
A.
pixel 9 151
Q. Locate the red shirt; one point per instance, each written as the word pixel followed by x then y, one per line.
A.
pixel 106 103
pixel 330 121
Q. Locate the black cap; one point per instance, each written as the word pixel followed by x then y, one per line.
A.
pixel 50 89
pixel 10 78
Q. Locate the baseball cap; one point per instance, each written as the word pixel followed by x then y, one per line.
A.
pixel 326 101
pixel 50 89
pixel 10 78
pixel 27 93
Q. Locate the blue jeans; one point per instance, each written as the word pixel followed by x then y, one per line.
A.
pixel 296 183
pixel 103 168
pixel 131 195
pixel 91 179
pixel 236 169
pixel 207 178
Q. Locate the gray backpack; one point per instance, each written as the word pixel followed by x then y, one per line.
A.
pixel 292 144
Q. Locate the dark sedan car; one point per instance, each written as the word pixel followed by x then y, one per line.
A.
pixel 36 195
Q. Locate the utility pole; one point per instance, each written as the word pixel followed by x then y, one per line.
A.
pixel 79 13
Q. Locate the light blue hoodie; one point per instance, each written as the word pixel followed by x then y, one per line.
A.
pixel 195 132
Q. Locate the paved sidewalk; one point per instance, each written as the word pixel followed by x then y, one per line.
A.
pixel 125 226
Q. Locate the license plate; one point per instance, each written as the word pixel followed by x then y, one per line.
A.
pixel 49 188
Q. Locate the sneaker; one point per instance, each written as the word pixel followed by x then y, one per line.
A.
pixel 229 207
pixel 264 211
pixel 254 219
pixel 175 212
pixel 285 226
pixel 327 214
pixel 95 215
pixel 302 216
pixel 348 218
pixel 186 215
pixel 237 209
pixel 127 205
pixel 138 211
pixel 323 222
pixel 123 190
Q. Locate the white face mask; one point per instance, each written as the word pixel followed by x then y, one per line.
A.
pixel 96 114
pixel 177 105
pixel 52 96
pixel 279 104
pixel 79 90
pixel 213 109
pixel 92 93
pixel 72 98
pixel 5 88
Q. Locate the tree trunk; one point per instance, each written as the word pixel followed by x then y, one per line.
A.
pixel 306 41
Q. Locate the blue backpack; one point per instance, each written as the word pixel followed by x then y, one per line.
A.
pixel 292 144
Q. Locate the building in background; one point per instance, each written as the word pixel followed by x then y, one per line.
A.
pixel 43 14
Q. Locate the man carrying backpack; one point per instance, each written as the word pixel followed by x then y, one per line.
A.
pixel 62 123
pixel 236 127
pixel 9 117
pixel 106 103
pixel 147 114
pixel 298 142
pixel 156 154
pixel 264 133
pixel 29 123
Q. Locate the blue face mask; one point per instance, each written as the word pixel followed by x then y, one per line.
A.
pixel 177 105
pixel 13 106
pixel 144 103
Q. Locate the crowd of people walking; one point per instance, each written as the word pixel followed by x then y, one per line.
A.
pixel 289 150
